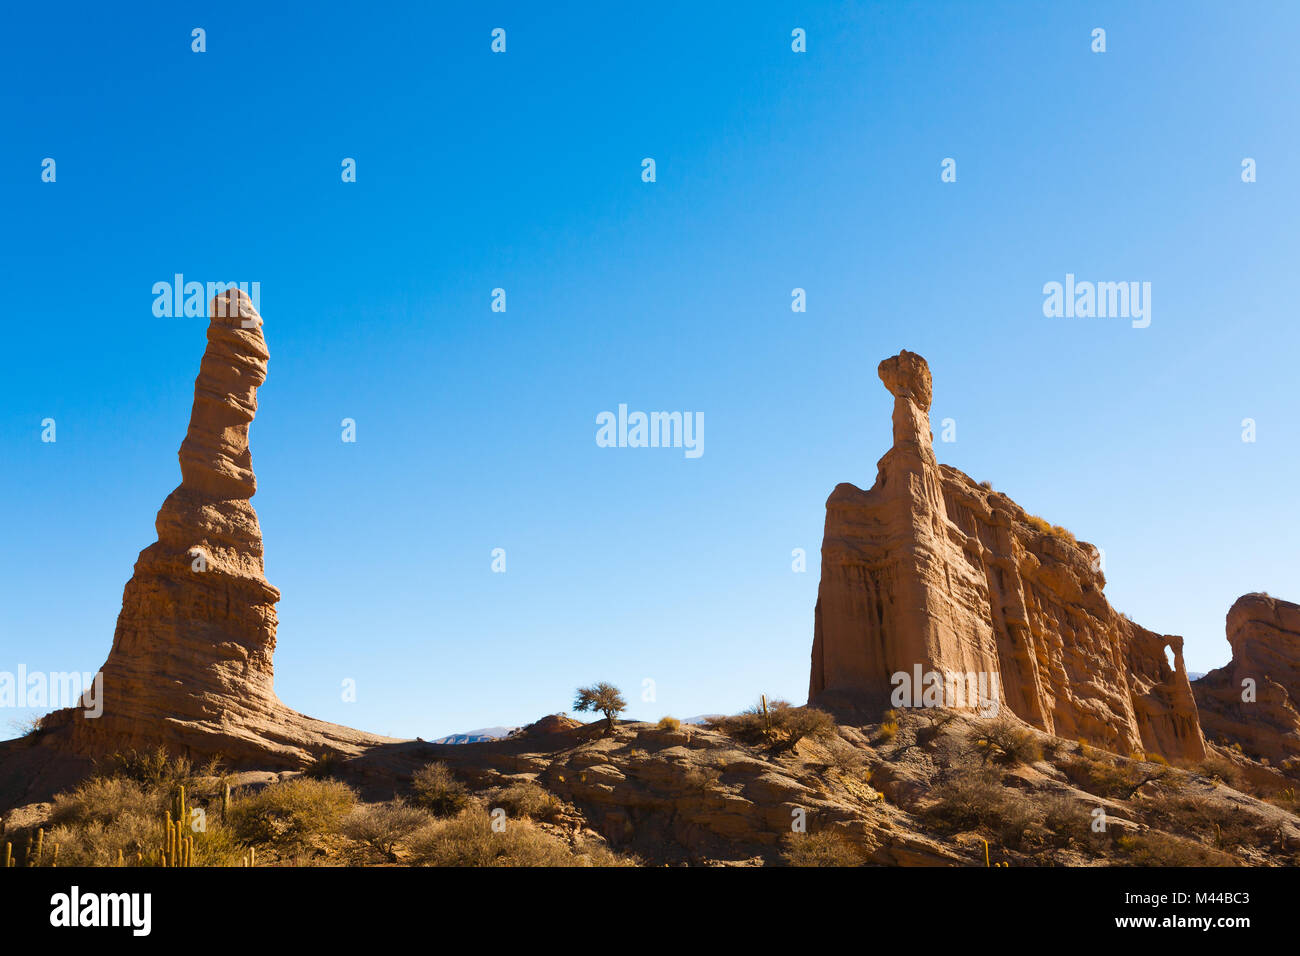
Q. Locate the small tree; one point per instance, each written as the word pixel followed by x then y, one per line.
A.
pixel 602 697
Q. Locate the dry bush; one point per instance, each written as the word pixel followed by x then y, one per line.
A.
pixel 1113 779
pixel 291 814
pixel 104 799
pixel 98 843
pixel 1069 820
pixel 782 726
pixel 670 724
pixel 888 730
pixel 1160 849
pixel 701 778
pixel 972 801
pixel 381 827
pixel 103 816
pixel 326 767
pixel 469 840
pixel 1224 771
pixel 824 848
pixel 1006 741
pixel 437 790
pixel 1212 821
pixel 526 799
pixel 848 759
pixel 159 769
pixel 939 719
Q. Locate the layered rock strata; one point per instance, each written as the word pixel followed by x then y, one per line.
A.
pixel 930 573
pixel 190 667
pixel 1254 700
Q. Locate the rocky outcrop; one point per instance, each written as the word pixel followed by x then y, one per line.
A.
pixel 1254 700
pixel 930 573
pixel 190 667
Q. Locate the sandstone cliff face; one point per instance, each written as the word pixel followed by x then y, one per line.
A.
pixel 1265 636
pixel 929 570
pixel 190 667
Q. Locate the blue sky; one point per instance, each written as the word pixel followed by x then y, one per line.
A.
pixel 522 170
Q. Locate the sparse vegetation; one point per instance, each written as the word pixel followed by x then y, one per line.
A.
pixel 669 724
pixel 159 768
pixel 970 801
pixel 701 778
pixel 381 827
pixel 1223 770
pixel 1068 820
pixel 601 698
pixel 1043 526
pixel 1113 778
pixel 526 800
pixel 291 814
pixel 438 791
pixel 1160 849
pixel 1006 741
pixel 326 766
pixel 888 727
pixel 469 840
pixel 824 848
pixel 777 724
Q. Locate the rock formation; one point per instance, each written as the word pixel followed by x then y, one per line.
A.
pixel 930 572
pixel 190 667
pixel 1265 636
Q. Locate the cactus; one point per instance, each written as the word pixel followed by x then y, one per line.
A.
pixel 40 848
pixel 225 804
pixel 120 862
pixel 54 860
pixel 177 846
pixel 9 854
pixel 986 852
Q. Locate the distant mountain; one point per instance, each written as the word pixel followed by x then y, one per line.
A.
pixel 1194 675
pixel 700 719
pixel 476 736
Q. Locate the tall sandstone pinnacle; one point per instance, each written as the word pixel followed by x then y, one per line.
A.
pixel 1265 636
pixel 930 572
pixel 190 667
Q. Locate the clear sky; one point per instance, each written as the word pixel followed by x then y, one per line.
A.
pixel 476 429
